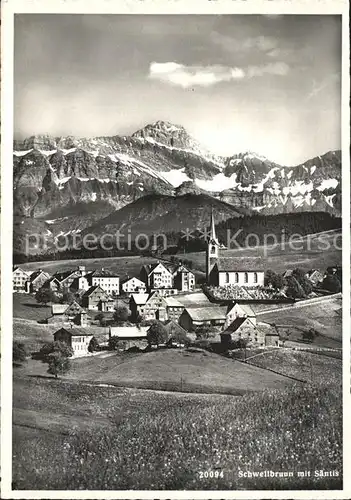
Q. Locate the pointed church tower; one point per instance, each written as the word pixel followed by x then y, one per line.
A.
pixel 212 251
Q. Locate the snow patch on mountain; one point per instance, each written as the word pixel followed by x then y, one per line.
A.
pixel 22 153
pixel 176 177
pixel 327 184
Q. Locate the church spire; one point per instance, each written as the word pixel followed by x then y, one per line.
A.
pixel 213 236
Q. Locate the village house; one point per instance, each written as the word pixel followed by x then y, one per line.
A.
pixel 177 336
pixel 133 285
pixel 78 338
pixel 183 279
pixel 229 271
pixel 243 328
pixel 64 313
pixel 79 283
pixel 66 278
pixel 108 281
pixel 192 318
pixel 52 284
pixel 176 305
pixel 131 336
pixel 148 306
pixel 95 299
pixel 236 310
pixel 19 279
pixel 315 277
pixel 157 276
pixel 36 281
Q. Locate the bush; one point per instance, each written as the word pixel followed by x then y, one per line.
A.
pixel 121 315
pixel 45 295
pixel 93 345
pixel 332 283
pixel 19 352
pixel 116 343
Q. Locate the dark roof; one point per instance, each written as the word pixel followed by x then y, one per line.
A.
pixel 103 273
pixel 75 331
pixel 174 328
pixel 92 289
pixel 236 265
pixel 235 325
pixel 34 275
pixel 64 274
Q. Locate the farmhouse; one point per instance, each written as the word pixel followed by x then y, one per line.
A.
pixel 176 305
pixel 52 284
pixel 226 271
pixel 66 278
pixel 77 337
pixel 243 329
pixel 94 298
pixel 19 279
pixel 236 310
pixel 133 285
pixel 149 306
pixel 64 313
pixel 202 316
pixel 132 336
pixel 36 280
pixel 178 337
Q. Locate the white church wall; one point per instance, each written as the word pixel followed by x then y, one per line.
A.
pixel 239 278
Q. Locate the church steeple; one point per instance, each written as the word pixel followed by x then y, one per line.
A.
pixel 212 251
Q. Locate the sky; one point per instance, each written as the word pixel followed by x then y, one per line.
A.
pixel 268 84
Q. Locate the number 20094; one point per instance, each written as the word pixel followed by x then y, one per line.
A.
pixel 211 474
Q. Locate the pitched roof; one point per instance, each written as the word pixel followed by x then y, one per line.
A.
pixel 93 289
pixel 246 309
pixel 207 313
pixel 103 273
pixel 128 332
pixel 61 276
pixel 236 265
pixel 174 328
pixel 235 325
pixel 130 278
pixel 173 302
pixel 35 275
pixel 76 331
pixel 153 267
pixel 140 298
pixel 196 299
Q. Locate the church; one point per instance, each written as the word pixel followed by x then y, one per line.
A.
pixel 230 271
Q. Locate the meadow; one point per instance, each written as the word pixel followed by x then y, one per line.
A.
pixel 154 440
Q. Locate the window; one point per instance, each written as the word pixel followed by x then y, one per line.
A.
pixel 236 277
pixel 213 249
pixel 246 277
pixel 255 277
pixel 227 277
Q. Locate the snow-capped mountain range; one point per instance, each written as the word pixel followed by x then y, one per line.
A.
pixel 58 177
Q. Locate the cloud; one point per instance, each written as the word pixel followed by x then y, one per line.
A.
pixel 317 87
pixel 205 76
pixel 258 43
pixel 190 76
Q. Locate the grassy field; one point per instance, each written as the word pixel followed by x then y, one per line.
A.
pixel 311 367
pixel 169 369
pixel 25 306
pixel 325 317
pixel 312 255
pixel 149 440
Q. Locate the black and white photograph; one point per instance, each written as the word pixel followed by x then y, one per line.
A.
pixel 177 253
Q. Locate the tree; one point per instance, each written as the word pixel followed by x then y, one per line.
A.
pixel 305 283
pixel 58 364
pixel 332 283
pixel 121 315
pixel 157 334
pixel 294 289
pixel 19 352
pixel 56 355
pixel 45 295
pixel 309 335
pixel 67 297
pixel 273 279
pixel 93 345
pixel 100 317
pixel 203 332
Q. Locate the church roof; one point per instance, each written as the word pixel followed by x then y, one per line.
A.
pixel 240 265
